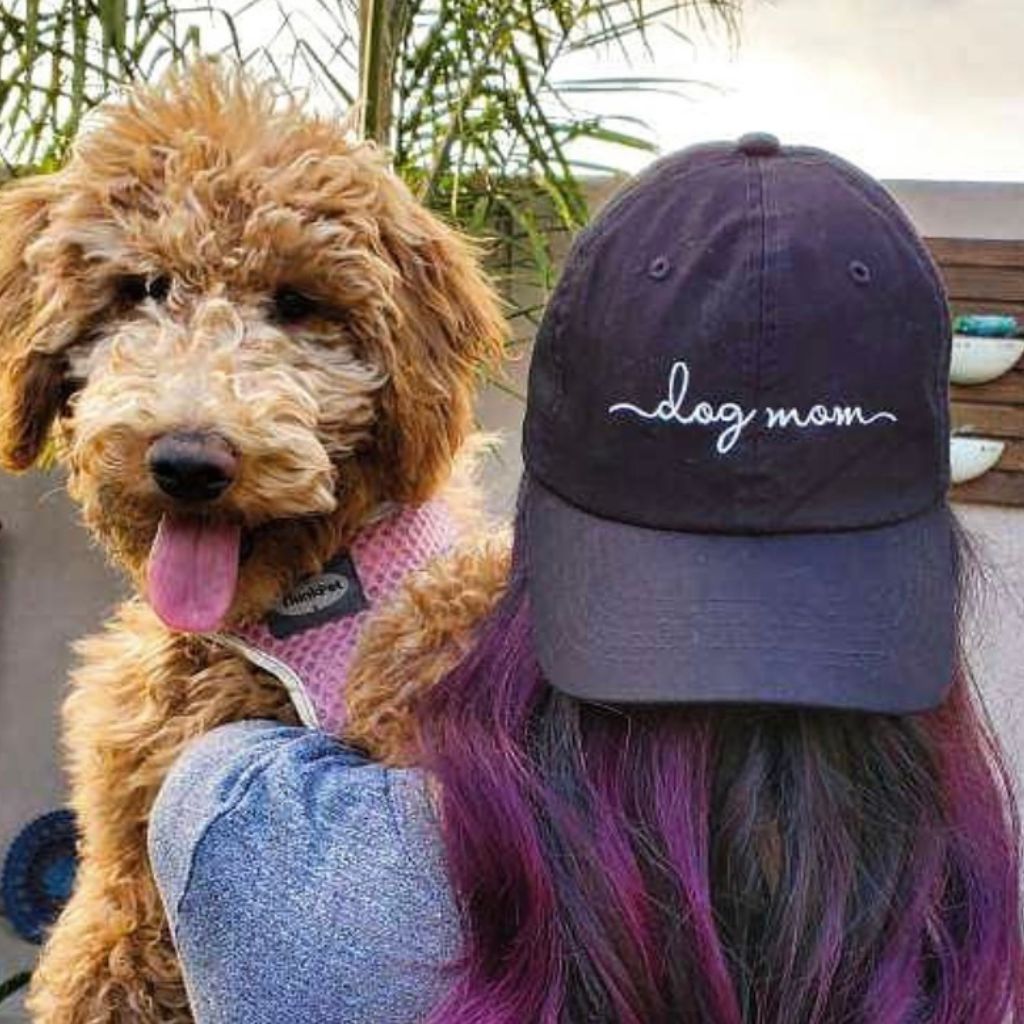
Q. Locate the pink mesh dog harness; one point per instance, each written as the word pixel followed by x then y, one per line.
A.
pixel 308 640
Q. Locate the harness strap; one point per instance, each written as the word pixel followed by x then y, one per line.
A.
pixel 309 639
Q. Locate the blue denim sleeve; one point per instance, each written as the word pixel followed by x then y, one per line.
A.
pixel 301 881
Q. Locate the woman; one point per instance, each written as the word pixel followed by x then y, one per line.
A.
pixel 715 758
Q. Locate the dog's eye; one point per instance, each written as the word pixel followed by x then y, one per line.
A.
pixel 158 287
pixel 291 305
pixel 132 288
pixel 135 287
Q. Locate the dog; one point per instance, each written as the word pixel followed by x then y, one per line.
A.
pixel 248 344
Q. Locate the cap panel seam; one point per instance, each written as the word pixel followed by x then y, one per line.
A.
pixel 884 206
pixel 768 325
pixel 635 188
pixel 760 329
pixel 885 212
pixel 623 202
pixel 566 293
pixel 751 303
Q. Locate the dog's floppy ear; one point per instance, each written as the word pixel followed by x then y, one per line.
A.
pixel 31 380
pixel 453 329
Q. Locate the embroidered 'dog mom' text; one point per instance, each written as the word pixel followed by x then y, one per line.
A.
pixel 733 418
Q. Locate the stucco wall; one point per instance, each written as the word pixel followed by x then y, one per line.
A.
pixel 53 588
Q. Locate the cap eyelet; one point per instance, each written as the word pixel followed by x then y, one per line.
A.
pixel 860 272
pixel 659 268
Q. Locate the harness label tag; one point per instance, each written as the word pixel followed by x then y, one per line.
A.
pixel 336 593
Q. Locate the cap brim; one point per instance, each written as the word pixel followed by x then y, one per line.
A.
pixel 859 620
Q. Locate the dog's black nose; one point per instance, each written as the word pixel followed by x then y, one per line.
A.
pixel 192 467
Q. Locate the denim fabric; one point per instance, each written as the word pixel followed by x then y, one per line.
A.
pixel 302 882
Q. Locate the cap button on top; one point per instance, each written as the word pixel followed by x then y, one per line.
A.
pixel 758 144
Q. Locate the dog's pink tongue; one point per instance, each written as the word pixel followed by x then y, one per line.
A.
pixel 193 570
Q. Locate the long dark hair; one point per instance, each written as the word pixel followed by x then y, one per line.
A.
pixel 717 865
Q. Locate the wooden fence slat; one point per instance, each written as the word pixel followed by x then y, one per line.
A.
pixel 976 252
pixel 989 420
pixel 1012 460
pixel 1004 284
pixel 964 306
pixel 994 488
pixel 1005 390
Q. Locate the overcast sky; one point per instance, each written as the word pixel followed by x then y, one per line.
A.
pixel 906 88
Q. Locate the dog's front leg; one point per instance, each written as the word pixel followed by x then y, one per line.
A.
pixel 409 645
pixel 109 958
pixel 140 694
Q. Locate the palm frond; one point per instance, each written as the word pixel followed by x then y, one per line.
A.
pixel 59 58
pixel 479 103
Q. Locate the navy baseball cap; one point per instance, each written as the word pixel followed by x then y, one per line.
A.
pixel 737 443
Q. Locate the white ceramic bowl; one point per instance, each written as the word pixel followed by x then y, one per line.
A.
pixel 971 457
pixel 979 360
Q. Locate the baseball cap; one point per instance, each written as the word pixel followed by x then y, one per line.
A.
pixel 736 443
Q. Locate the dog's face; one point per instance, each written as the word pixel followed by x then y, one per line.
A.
pixel 247 332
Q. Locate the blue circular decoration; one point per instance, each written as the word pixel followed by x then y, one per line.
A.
pixel 39 873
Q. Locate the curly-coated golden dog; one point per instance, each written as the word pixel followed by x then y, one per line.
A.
pixel 246 338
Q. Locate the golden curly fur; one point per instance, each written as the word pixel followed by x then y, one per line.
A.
pixel 137 297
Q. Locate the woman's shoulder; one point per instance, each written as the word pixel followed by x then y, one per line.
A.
pixel 261 831
pixel 277 780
